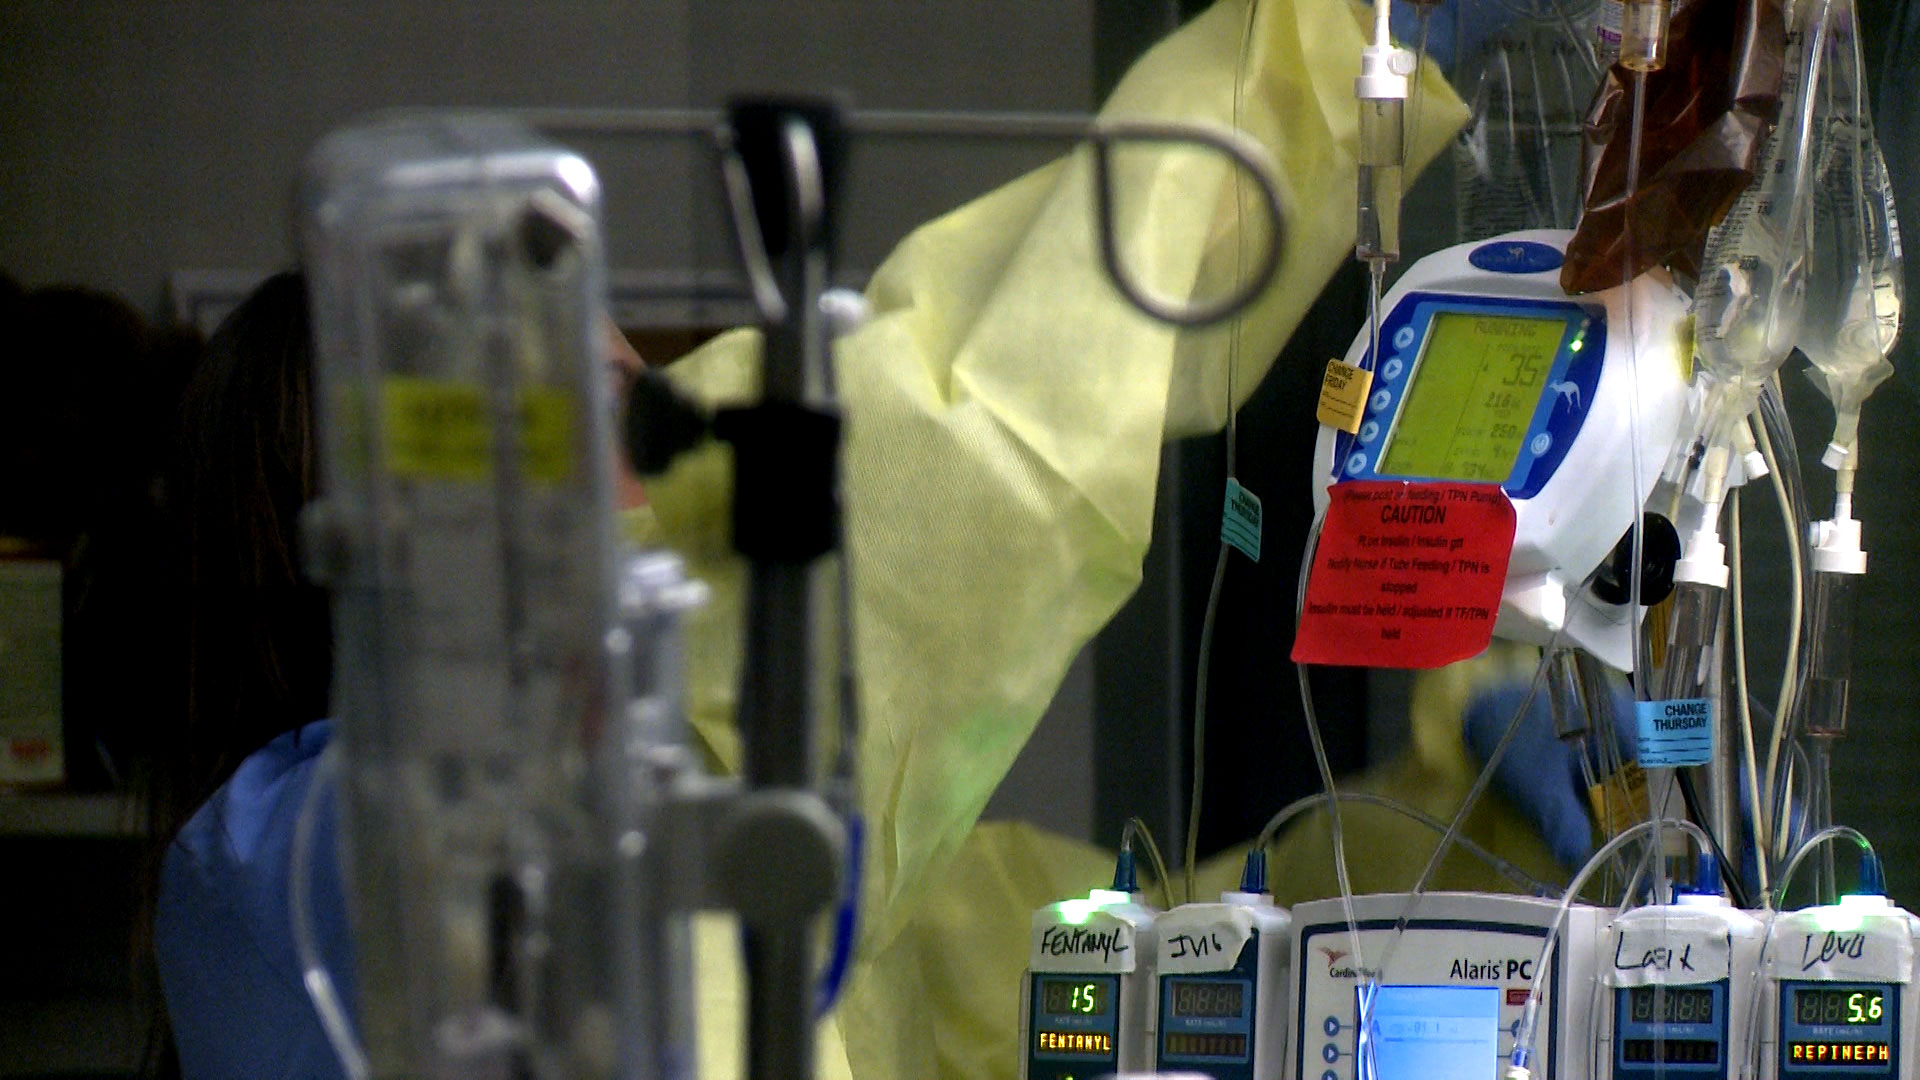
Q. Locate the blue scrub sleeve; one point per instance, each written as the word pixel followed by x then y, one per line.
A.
pixel 223 930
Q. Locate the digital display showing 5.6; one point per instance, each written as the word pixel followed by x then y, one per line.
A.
pixel 1073 997
pixel 1839 1005
pixel 1471 396
pixel 1678 1005
pixel 1211 997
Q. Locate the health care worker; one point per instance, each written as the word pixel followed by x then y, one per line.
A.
pixel 1007 411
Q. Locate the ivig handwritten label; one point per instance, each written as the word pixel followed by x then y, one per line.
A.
pixel 1406 575
pixel 1101 942
pixel 1203 937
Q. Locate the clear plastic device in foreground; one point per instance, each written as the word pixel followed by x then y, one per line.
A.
pixel 466 534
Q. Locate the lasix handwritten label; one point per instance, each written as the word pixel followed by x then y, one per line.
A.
pixel 1103 942
pixel 1406 575
pixel 1670 948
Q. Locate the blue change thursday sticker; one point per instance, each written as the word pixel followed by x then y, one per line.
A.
pixel 1674 733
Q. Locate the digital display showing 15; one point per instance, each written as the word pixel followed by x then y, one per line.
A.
pixel 1072 997
pixel 1679 1005
pixel 1195 997
pixel 1470 401
pixel 1839 1005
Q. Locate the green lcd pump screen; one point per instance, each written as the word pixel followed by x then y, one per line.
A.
pixel 1470 401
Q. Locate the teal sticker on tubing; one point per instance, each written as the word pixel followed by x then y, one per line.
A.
pixel 1674 733
pixel 1240 522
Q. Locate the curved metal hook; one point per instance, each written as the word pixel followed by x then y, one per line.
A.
pixel 1245 154
pixel 746 230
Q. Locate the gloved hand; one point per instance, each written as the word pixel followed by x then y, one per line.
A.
pixel 1540 774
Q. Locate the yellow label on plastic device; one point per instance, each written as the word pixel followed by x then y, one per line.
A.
pixel 1343 396
pixel 439 429
pixel 1620 801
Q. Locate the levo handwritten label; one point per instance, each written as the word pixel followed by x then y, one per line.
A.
pixel 1203 937
pixel 1406 575
pixel 1102 942
pixel 1812 944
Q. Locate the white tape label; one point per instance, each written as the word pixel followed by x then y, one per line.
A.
pixel 1834 944
pixel 1672 950
pixel 1203 937
pixel 1101 942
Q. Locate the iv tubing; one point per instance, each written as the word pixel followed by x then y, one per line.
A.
pixel 1480 783
pixel 1499 865
pixel 1415 96
pixel 1201 677
pixel 1203 668
pixel 1761 824
pixel 1831 832
pixel 1138 828
pixel 1334 825
pixel 1523 1037
pixel 846 922
pixel 313 971
pixel 1782 710
pixel 1635 133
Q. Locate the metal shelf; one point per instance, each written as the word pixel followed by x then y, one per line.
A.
pixel 63 814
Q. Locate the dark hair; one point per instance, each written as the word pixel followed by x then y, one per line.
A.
pixel 259 646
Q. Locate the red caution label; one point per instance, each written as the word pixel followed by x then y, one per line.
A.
pixel 1406 575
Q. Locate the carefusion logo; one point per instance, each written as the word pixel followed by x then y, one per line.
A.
pixel 1334 968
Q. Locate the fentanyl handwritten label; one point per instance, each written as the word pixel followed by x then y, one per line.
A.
pixel 1406 575
pixel 1674 733
pixel 1203 937
pixel 1100 942
pixel 1240 521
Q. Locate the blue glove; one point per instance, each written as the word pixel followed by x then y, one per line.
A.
pixel 1540 774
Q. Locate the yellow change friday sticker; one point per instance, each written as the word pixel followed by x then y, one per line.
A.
pixel 1343 395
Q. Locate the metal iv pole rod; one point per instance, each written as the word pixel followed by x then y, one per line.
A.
pixel 782 161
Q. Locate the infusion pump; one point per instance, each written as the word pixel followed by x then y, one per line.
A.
pixel 1488 373
pixel 1447 1005
pixel 1087 1002
pixel 1840 993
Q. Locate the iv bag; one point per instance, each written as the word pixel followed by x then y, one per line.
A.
pixel 1704 119
pixel 466 521
pixel 1752 291
pixel 1855 288
pixel 1527 82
